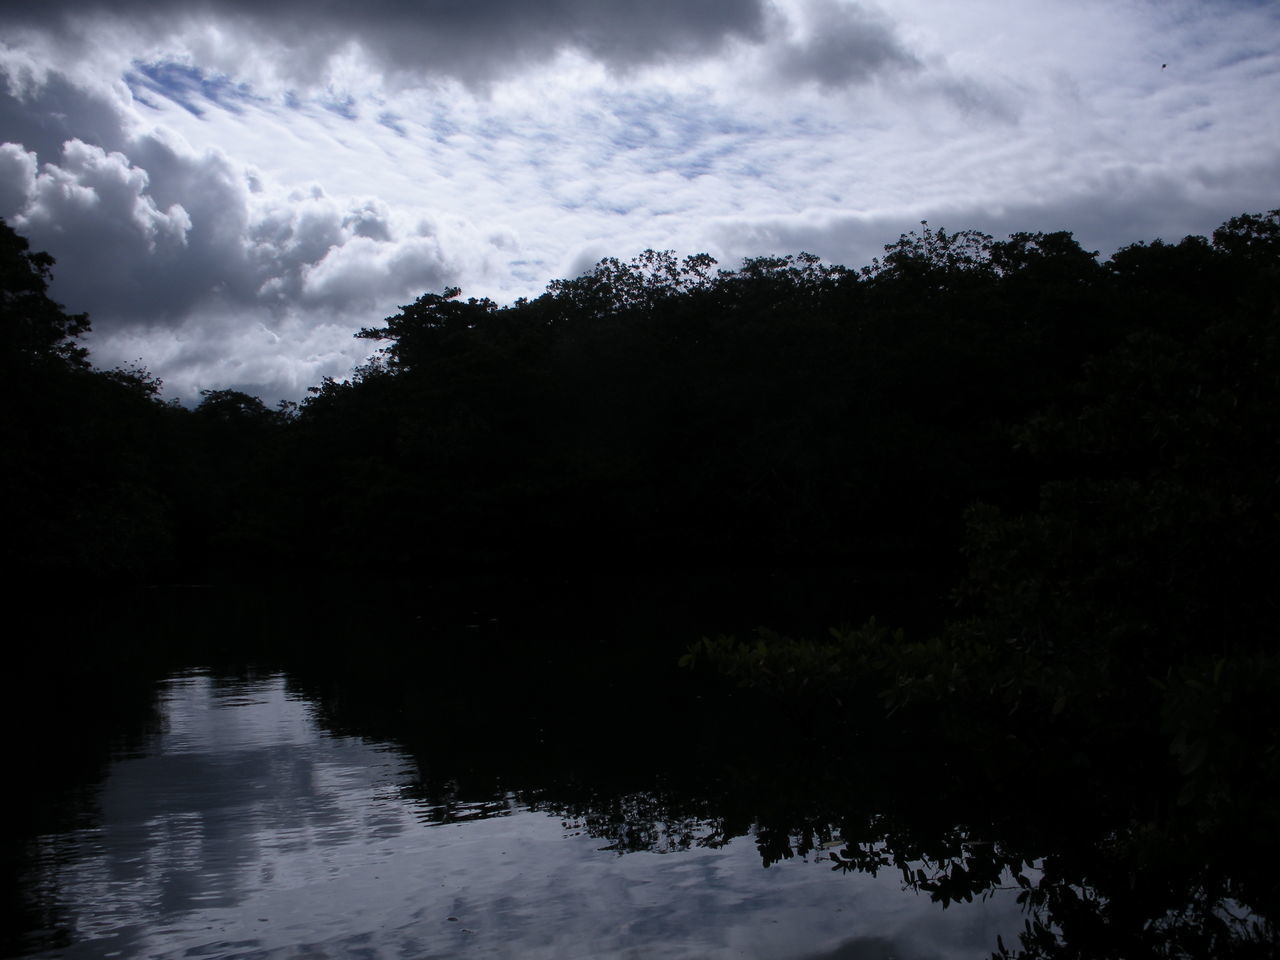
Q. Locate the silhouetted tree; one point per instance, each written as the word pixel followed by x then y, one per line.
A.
pixel 85 491
pixel 36 329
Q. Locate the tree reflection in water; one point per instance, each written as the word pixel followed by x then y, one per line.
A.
pixel 1085 894
pixel 623 746
pixel 1102 855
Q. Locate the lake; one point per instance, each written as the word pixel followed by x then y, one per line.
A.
pixel 499 769
pixel 239 825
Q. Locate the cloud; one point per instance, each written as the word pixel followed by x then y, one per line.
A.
pixel 473 41
pixel 196 223
pixel 205 268
pixel 261 351
pixel 1104 213
pixel 105 193
pixel 133 242
pixel 841 44
pixel 229 285
pixel 43 109
pixel 231 187
pixel 363 269
pixel 95 208
pixel 17 178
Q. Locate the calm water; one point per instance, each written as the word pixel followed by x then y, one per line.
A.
pixel 244 829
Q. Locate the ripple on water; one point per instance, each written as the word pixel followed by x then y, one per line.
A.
pixel 249 831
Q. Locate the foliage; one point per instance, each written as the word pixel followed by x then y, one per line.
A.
pixel 648 283
pixel 1056 478
pixel 85 485
pixel 1129 605
pixel 37 330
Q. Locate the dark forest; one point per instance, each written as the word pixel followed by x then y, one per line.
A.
pixel 1042 490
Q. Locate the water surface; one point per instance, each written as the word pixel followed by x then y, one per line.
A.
pixel 243 828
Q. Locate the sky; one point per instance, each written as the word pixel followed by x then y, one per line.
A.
pixel 232 188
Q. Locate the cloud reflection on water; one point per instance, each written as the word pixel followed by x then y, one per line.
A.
pixel 248 831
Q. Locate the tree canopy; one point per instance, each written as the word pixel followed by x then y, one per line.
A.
pixel 1053 481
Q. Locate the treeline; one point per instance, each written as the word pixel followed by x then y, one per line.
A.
pixel 1111 643
pixel 662 413
pixel 1061 475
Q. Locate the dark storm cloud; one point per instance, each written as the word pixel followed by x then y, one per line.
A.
pixel 843 44
pixel 1103 216
pixel 145 229
pixel 92 209
pixel 139 228
pixel 182 256
pixel 469 39
pixel 44 115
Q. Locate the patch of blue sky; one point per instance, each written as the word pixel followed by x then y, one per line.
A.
pixel 543 148
pixel 809 125
pixel 547 139
pixel 701 160
pixel 189 87
pixel 441 127
pixel 709 156
pixel 634 137
pixel 699 123
pixel 345 107
pixel 574 204
pixel 679 122
pixel 494 128
pixel 748 169
pixel 528 271
pixel 699 166
pixel 394 123
pixel 140 96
